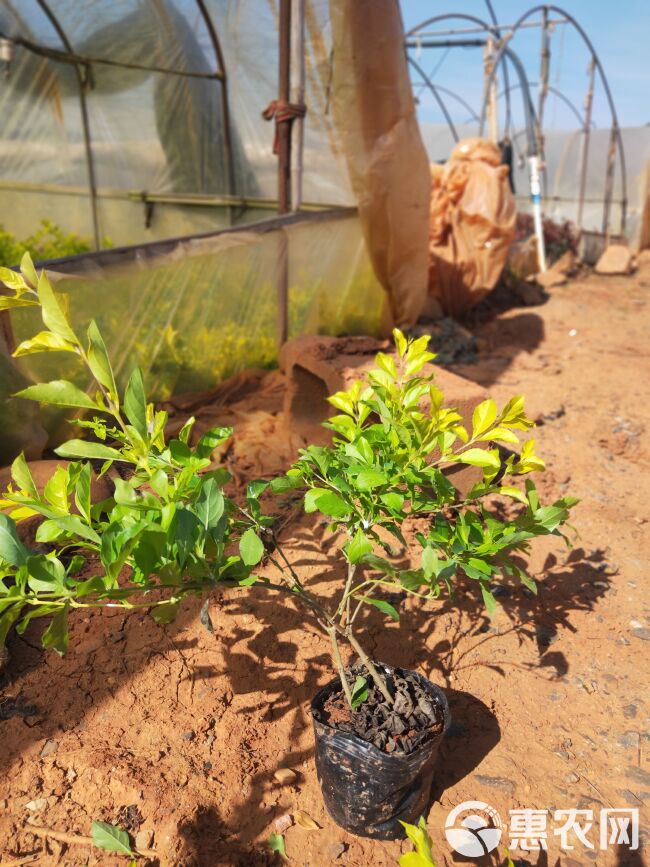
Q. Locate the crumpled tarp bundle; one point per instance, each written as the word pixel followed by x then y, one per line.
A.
pixel 472 225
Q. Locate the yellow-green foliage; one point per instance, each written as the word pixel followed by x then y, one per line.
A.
pixel 48 242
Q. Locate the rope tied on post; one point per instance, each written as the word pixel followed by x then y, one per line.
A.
pixel 283 112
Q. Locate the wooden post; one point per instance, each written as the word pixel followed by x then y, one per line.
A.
pixel 284 169
pixel 492 92
pixel 297 98
pixel 584 143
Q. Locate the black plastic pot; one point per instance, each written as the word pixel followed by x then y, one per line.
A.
pixel 366 790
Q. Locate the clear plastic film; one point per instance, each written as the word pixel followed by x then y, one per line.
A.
pixel 208 309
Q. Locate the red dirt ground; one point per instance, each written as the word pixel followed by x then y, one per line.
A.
pixel 549 700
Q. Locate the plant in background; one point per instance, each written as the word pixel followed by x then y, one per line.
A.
pixel 47 242
pixel 167 526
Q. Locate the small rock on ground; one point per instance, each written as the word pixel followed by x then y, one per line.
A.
pixel 617 259
pixel 49 747
pixel 501 783
pixel 335 850
pixel 144 839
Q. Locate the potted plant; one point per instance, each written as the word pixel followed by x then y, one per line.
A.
pixel 377 728
pixel 169 527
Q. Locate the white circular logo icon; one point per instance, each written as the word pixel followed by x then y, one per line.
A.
pixel 476 834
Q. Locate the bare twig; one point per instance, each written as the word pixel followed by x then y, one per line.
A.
pixel 29 859
pixel 79 840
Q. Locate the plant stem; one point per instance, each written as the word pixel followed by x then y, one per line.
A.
pixel 336 652
pixel 340 611
pixel 363 656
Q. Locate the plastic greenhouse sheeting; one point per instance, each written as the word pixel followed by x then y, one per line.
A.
pixel 561 194
pixel 169 130
pixel 207 309
pixel 170 134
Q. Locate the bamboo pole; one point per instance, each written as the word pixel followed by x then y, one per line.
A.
pixel 298 98
pixel 284 170
pixel 584 142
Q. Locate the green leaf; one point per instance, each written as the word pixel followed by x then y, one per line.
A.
pixel 110 838
pixel 416 361
pixel 147 552
pixel 180 452
pixel 165 613
pixel 59 392
pixel 251 548
pixel 74 526
pixel 85 449
pixel 98 360
pixel 331 504
pixel 45 341
pixel 13 280
pixel 56 490
pixel 211 439
pixel 45 574
pixel 6 302
pixel 500 434
pixel 186 430
pixel 480 458
pixel 386 363
pixel 369 479
pixel 12 549
pixel 419 836
pixel 22 476
pixel 82 491
pixel 135 402
pixel 400 341
pixel 342 400
pixel 210 504
pixel 276 844
pixel 54 315
pixel 358 547
pixel 160 483
pixel 550 517
pixel 56 634
pixel 515 493
pixel 484 415
pixel 394 501
pixel 527 581
pixel 7 620
pixel 383 606
pixel 285 483
pixel 28 271
pixel 414 859
pixel 311 499
pixel 430 562
pixel 359 692
pixel 488 599
pixel 533 497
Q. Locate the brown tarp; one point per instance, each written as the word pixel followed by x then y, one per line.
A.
pixel 473 215
pixel 374 111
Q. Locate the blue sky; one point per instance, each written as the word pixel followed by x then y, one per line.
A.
pixel 620 33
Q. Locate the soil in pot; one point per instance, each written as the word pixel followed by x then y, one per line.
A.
pixel 376 764
pixel 413 719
